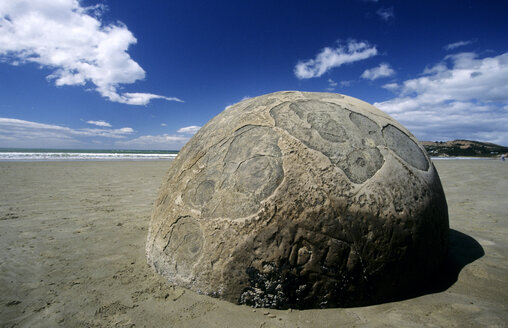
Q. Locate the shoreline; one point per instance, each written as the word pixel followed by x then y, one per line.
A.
pixel 35 155
pixel 463 158
pixel 72 241
pixel 458 158
pixel 171 157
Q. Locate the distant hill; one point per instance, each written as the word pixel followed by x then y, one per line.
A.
pixel 464 148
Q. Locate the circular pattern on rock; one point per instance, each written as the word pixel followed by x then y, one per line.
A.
pixel 237 177
pixel 300 200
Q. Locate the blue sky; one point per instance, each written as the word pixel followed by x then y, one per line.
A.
pixel 147 74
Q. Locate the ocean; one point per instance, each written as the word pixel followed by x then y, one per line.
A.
pixel 32 155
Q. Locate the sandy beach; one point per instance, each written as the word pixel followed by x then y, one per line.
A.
pixel 72 254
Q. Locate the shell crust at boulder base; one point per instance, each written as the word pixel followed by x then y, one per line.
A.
pixel 300 200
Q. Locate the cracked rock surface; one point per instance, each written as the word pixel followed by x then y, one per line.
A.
pixel 300 200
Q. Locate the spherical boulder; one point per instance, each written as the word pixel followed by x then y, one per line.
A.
pixel 301 200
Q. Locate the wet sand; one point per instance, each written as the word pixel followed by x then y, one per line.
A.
pixel 72 254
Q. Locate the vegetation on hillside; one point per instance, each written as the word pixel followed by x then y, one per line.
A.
pixel 464 148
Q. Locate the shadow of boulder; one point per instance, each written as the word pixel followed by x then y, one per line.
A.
pixel 462 250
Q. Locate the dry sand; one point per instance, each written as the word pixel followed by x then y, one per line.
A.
pixel 72 254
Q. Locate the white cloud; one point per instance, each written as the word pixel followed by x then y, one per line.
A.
pixel 136 98
pixel 243 98
pixel 163 124
pixel 100 123
pixel 189 129
pixel 21 133
pixel 462 97
pixel 113 133
pixel 161 142
pixel 331 85
pixel 458 44
pixel 15 133
pixel 391 86
pixel 385 13
pixel 330 58
pixel 72 41
pixel 341 84
pixel 383 70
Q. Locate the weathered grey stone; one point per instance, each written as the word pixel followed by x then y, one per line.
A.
pixel 300 200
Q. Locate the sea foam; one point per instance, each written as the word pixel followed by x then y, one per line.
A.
pixel 107 155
